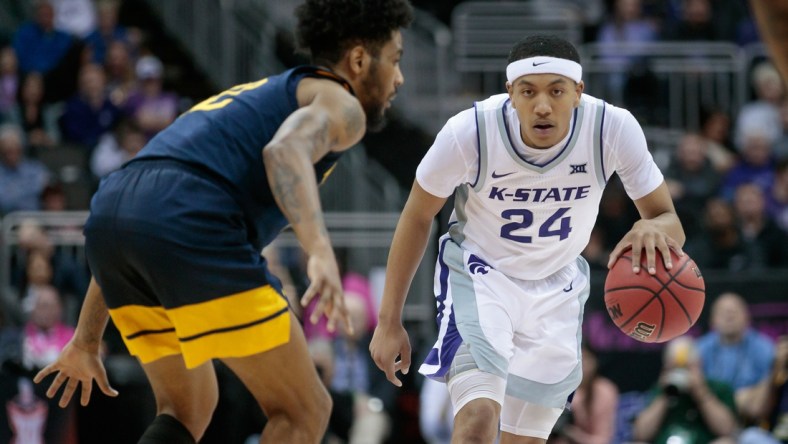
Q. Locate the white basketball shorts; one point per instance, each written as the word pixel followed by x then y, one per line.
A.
pixel 527 332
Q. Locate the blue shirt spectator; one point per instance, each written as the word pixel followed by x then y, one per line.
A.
pixel 107 31
pixel 90 113
pixel 734 353
pixel 739 364
pixel 21 179
pixel 38 45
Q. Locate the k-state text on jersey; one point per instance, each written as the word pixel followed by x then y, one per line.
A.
pixel 539 194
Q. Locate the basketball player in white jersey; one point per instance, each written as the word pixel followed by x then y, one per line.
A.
pixel 527 170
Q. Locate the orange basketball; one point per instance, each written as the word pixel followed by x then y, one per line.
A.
pixel 654 308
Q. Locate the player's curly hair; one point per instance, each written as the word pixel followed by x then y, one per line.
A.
pixel 327 28
pixel 543 45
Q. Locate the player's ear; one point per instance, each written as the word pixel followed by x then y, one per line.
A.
pixel 579 88
pixel 510 90
pixel 358 59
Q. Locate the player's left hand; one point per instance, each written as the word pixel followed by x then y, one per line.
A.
pixel 325 283
pixel 645 235
pixel 76 365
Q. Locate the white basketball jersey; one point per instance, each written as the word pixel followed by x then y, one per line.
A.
pixel 529 220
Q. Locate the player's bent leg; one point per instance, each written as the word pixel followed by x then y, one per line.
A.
pixel 185 397
pixel 286 385
pixel 476 397
pixel 523 422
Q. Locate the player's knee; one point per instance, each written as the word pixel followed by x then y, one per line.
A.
pixel 320 407
pixel 477 421
pixel 306 416
pixel 481 412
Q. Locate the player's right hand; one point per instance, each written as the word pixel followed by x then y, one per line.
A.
pixel 389 341
pixel 75 366
pixel 325 283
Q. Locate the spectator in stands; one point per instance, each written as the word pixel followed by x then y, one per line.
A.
pixel 694 23
pixel 354 370
pixel 594 407
pixel 716 131
pixel 151 108
pixel 9 81
pixel 770 401
pixel 734 353
pixel 90 113
pixel 685 406
pixel 781 145
pixel 28 349
pixel 756 164
pixel 54 198
pixel 777 200
pixel 65 272
pixel 692 180
pixel 76 17
pixel 38 45
pixel 27 414
pixel 108 31
pixel 767 243
pixel 719 245
pixel 37 118
pixel 626 25
pixel 116 147
pixel 22 179
pixel 51 52
pixel 121 78
pixel 762 115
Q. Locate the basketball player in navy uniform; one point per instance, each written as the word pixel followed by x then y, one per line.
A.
pixel 174 237
pixel 772 19
pixel 527 170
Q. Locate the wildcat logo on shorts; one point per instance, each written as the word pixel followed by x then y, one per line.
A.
pixel 642 331
pixel 477 266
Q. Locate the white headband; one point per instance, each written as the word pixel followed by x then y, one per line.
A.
pixel 544 65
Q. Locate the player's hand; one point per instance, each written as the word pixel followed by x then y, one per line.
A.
pixel 325 283
pixel 389 341
pixel 76 366
pixel 644 235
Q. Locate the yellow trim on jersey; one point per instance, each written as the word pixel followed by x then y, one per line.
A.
pixel 224 98
pixel 146 331
pixel 238 325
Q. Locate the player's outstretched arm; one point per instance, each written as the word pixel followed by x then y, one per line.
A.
pixel 330 119
pixel 390 339
pixel 79 363
pixel 772 18
pixel 658 229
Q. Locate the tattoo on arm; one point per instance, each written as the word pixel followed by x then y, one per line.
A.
pixel 286 182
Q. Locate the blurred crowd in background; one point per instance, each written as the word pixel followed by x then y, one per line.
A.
pixel 83 87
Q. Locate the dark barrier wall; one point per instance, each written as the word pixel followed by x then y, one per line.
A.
pixel 635 365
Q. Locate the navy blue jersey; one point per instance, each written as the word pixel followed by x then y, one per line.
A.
pixel 224 135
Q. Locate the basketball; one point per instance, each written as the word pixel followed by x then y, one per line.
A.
pixel 654 308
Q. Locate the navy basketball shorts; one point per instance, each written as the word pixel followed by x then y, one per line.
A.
pixel 169 248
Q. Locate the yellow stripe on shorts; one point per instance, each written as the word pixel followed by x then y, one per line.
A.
pixel 238 325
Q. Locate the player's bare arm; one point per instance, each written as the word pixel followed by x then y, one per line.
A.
pixel 658 229
pixel 332 121
pixel 79 363
pixel 407 249
pixel 772 17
